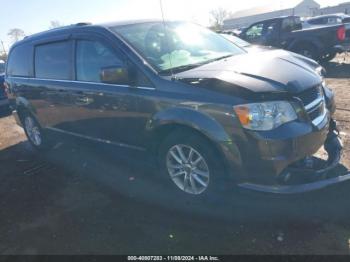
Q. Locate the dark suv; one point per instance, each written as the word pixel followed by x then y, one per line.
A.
pixel 4 103
pixel 209 112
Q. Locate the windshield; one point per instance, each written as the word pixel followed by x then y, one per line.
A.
pixel 178 45
pixel 2 68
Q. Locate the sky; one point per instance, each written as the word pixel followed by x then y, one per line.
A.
pixel 34 16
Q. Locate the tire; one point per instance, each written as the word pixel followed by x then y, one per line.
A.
pixel 309 51
pixel 36 136
pixel 328 57
pixel 195 178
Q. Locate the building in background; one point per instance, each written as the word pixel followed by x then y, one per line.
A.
pixel 341 8
pixel 247 17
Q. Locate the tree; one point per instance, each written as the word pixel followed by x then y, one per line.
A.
pixel 16 34
pixel 217 17
pixel 55 24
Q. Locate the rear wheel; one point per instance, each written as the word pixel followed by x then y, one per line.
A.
pixel 35 133
pixel 308 51
pixel 191 165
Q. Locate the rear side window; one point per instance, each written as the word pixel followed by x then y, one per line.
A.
pixel 20 62
pixel 53 61
pixel 318 21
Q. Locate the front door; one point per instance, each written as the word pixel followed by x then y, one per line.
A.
pixel 102 111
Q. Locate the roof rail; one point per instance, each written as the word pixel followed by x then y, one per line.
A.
pixel 83 24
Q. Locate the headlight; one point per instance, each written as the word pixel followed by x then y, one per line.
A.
pixel 265 116
pixel 321 71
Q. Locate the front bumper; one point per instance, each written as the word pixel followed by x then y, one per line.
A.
pixel 315 177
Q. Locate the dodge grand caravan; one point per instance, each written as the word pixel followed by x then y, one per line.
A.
pixel 212 114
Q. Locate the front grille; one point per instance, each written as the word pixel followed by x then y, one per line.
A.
pixel 314 102
pixel 318 111
pixel 310 95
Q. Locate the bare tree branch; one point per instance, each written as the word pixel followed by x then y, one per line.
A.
pixel 55 24
pixel 16 34
pixel 217 17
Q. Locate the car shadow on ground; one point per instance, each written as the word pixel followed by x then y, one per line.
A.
pixel 133 175
pixel 77 189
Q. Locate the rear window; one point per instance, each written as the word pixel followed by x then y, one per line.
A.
pixel 20 61
pixel 53 61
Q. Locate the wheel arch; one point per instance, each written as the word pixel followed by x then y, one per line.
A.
pixel 296 44
pixel 164 123
pixel 23 106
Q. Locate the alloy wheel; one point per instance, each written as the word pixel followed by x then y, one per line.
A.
pixel 188 169
pixel 33 131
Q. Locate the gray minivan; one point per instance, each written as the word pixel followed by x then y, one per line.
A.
pixel 212 114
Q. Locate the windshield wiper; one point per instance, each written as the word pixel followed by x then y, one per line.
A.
pixel 180 68
pixel 191 66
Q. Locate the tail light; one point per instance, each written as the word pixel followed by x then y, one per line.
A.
pixel 341 33
pixel 6 89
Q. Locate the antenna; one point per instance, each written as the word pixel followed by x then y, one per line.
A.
pixel 166 38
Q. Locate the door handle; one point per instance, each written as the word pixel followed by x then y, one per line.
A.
pixel 83 100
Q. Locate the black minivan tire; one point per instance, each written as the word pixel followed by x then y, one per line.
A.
pixel 217 182
pixel 36 135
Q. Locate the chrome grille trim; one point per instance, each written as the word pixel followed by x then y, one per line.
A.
pixel 314 103
pixel 317 121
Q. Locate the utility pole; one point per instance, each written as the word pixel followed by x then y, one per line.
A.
pixel 3 47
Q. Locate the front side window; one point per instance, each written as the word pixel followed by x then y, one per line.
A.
pixel 176 46
pixel 53 61
pixel 91 58
pixel 334 20
pixel 255 31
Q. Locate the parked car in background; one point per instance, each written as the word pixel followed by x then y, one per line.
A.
pixel 212 114
pixel 4 102
pixel 326 20
pixel 320 44
pixel 334 19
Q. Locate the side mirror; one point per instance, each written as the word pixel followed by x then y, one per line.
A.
pixel 115 75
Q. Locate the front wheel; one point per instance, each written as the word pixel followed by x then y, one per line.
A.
pixel 328 57
pixel 191 164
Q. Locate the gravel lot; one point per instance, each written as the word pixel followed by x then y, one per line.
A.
pixel 80 199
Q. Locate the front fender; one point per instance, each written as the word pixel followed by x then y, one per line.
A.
pixel 23 105
pixel 204 124
pixel 201 122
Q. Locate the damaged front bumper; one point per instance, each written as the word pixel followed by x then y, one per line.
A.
pixel 311 173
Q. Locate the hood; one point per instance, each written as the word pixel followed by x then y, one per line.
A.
pixel 283 54
pixel 261 73
pixel 258 48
